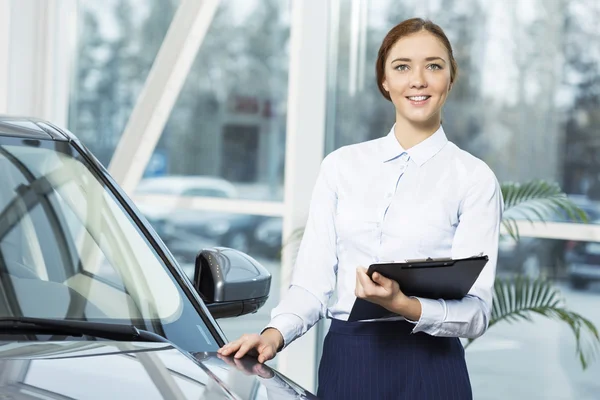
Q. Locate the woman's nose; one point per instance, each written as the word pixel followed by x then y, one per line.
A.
pixel 417 79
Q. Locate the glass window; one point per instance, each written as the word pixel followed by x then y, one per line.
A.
pixel 186 231
pixel 526 96
pixel 229 120
pixel 68 250
pixel 117 43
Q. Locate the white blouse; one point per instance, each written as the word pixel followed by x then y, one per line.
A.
pixel 376 202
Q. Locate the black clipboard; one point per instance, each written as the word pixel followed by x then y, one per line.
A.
pixel 443 278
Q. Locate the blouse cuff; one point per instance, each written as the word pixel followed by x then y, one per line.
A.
pixel 289 325
pixel 433 313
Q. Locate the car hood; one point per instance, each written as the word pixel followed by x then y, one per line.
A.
pixel 124 370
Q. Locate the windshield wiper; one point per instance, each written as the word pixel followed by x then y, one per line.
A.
pixel 115 332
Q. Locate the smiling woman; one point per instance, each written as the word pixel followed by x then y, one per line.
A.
pixel 408 195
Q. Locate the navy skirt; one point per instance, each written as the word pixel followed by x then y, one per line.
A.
pixel 384 360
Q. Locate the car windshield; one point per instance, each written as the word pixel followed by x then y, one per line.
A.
pixel 69 250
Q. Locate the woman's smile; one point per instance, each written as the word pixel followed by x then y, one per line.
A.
pixel 420 100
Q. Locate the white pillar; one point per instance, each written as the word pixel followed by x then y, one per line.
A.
pixel 41 48
pixel 153 107
pixel 304 153
pixel 4 52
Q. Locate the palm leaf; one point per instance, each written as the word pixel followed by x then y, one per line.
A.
pixel 536 200
pixel 520 298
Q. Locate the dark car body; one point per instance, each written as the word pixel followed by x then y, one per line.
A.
pixel 226 229
pixel 532 256
pixel 268 237
pixel 115 370
pixel 92 302
pixel 583 263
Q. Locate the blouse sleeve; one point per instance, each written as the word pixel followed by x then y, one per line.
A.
pixel 314 273
pixel 477 232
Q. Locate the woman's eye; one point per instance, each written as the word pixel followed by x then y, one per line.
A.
pixel 435 66
pixel 401 67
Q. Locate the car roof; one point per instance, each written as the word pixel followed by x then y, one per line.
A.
pixel 31 128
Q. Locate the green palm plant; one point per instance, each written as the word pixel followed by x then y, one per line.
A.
pixel 535 200
pixel 520 298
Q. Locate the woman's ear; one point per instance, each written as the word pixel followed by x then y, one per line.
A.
pixel 385 86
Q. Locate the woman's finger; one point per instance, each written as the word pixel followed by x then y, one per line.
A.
pixel 230 347
pixel 245 347
pixel 382 280
pixel 366 283
pixel 265 354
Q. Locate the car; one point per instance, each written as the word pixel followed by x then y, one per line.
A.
pixel 268 237
pixel 227 229
pixel 186 186
pixel 94 305
pixel 583 263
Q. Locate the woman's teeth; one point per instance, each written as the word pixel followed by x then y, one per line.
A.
pixel 418 98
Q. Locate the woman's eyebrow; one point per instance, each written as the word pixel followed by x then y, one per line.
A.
pixel 427 59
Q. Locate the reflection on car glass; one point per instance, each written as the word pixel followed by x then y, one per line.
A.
pixel 69 250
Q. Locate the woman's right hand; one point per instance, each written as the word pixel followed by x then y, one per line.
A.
pixel 265 345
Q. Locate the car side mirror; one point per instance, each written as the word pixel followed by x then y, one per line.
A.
pixel 230 282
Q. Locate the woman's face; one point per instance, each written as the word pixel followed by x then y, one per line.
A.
pixel 417 77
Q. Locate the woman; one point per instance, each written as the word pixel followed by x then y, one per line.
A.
pixel 411 194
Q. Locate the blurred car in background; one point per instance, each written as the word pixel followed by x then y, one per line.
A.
pixel 268 237
pixel 187 186
pixel 535 257
pixel 184 229
pixel 583 263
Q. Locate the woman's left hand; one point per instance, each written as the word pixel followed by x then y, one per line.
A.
pixel 379 290
pixel 386 292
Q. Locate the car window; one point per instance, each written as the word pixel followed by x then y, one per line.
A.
pixel 68 250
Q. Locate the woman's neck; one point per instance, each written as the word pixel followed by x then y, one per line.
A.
pixel 410 134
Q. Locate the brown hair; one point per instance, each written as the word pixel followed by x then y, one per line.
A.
pixel 401 30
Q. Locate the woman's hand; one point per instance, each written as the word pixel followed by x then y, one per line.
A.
pixel 386 293
pixel 264 345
